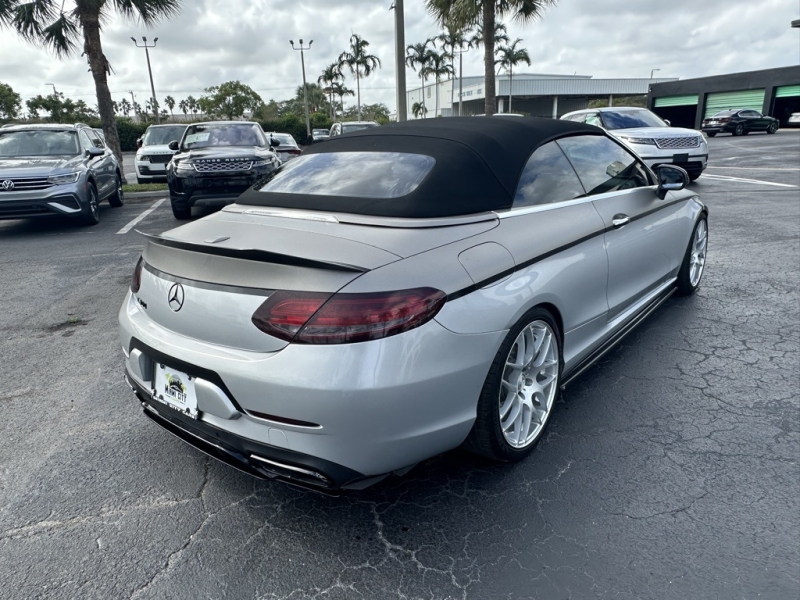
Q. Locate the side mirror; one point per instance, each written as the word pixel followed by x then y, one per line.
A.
pixel 174 145
pixel 668 122
pixel 138 142
pixel 94 152
pixel 670 178
pixel 273 143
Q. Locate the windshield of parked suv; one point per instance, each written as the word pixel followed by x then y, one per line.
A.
pixel 348 127
pixel 207 136
pixel 161 136
pixel 39 143
pixel 353 174
pixel 626 119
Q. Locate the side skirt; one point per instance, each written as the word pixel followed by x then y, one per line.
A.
pixel 617 336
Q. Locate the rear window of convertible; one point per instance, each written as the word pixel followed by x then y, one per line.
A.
pixel 352 174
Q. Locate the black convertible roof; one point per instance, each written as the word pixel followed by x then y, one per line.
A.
pixel 478 164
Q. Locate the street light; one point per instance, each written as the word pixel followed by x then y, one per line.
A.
pixel 460 53
pixel 305 92
pixel 399 59
pixel 150 71
pixel 653 71
pixel 55 92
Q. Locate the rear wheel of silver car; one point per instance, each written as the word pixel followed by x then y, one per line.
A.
pixel 117 199
pixel 772 128
pixel 694 261
pixel 92 217
pixel 520 390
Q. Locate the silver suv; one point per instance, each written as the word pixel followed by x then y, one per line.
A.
pixel 53 169
pixel 652 138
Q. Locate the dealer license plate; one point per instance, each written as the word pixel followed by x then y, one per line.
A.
pixel 175 389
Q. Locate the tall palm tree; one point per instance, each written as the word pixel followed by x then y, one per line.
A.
pixel 508 58
pixel 438 69
pixel 45 23
pixel 451 38
pixel 330 75
pixel 500 35
pixel 419 55
pixel 125 107
pixel 169 101
pixel 359 62
pixel 486 13
pixel 418 110
pixel 184 106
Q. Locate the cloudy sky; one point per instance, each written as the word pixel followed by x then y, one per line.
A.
pixel 213 41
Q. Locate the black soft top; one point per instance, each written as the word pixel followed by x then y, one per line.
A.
pixel 478 164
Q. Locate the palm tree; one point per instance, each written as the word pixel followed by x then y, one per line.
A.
pixel 359 62
pixel 486 12
pixel 191 104
pixel 169 101
pixel 330 75
pixel 438 69
pixel 500 35
pixel 341 91
pixel 184 106
pixel 44 23
pixel 419 55
pixel 125 106
pixel 452 37
pixel 510 57
pixel 418 109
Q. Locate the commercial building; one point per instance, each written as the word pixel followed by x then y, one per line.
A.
pixel 687 102
pixel 535 94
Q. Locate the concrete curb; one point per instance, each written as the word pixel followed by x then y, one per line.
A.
pixel 144 196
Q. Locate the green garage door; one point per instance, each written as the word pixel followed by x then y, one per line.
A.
pixel 752 99
pixel 666 101
pixel 787 91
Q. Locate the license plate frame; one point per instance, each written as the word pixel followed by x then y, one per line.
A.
pixel 175 389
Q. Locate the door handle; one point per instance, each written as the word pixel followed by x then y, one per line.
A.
pixel 619 220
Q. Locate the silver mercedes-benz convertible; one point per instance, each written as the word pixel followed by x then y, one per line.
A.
pixel 404 290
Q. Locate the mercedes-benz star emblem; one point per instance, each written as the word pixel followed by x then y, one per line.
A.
pixel 7 185
pixel 175 297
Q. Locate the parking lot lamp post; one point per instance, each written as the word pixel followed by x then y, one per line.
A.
pixel 55 92
pixel 400 58
pixel 305 91
pixel 150 71
pixel 653 71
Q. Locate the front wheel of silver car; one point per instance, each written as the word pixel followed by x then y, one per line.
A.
pixel 520 390
pixel 694 261
pixel 92 216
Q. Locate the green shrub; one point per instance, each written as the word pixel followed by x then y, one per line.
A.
pixel 128 132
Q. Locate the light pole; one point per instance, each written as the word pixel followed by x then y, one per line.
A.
pixel 55 92
pixel 460 78
pixel 305 91
pixel 150 71
pixel 653 71
pixel 399 59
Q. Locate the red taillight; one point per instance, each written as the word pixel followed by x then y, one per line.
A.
pixel 136 280
pixel 724 120
pixel 295 152
pixel 317 318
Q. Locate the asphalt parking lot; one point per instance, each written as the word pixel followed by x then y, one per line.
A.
pixel 669 470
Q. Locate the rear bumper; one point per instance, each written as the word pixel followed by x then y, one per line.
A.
pixel 371 408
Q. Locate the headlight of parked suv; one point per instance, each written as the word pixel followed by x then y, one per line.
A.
pixel 636 140
pixel 62 179
pixel 184 167
pixel 142 158
pixel 261 162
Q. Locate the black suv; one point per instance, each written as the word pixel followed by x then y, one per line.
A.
pixel 215 162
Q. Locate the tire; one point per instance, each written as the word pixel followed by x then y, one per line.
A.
pixel 739 130
pixel 180 212
pixel 688 277
pixel 93 216
pixel 117 199
pixel 498 396
pixel 711 133
pixel 694 177
pixel 772 128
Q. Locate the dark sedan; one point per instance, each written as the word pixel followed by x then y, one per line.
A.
pixel 215 162
pixel 739 122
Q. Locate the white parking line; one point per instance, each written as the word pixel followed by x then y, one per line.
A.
pixel 141 217
pixel 757 168
pixel 756 181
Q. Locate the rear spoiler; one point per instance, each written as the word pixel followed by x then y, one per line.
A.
pixel 251 254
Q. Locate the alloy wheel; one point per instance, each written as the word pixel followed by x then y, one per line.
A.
pixel 698 253
pixel 529 384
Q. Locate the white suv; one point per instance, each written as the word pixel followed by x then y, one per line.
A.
pixel 650 137
pixel 154 153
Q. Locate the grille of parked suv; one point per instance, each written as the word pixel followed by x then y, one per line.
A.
pixel 160 158
pixel 218 165
pixel 687 141
pixel 26 184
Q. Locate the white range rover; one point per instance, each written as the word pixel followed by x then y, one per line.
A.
pixel 153 152
pixel 651 137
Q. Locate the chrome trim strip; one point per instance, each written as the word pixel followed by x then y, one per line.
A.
pixel 63 208
pixel 526 210
pixel 279 465
pixel 291 214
